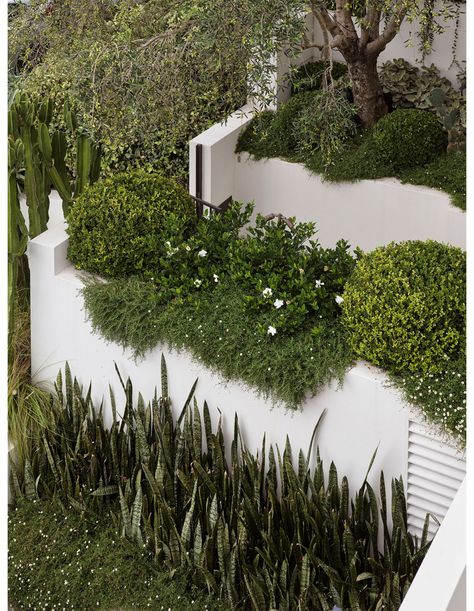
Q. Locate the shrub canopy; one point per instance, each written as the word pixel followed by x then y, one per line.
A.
pixel 120 225
pixel 404 306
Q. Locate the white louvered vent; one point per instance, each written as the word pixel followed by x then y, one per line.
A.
pixel 435 472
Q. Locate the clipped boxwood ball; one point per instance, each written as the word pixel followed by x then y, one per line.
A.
pixel 405 306
pixel 408 137
pixel 119 226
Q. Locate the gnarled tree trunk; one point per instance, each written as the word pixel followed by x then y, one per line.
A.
pixel 367 89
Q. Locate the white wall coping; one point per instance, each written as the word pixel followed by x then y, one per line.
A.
pixel 440 583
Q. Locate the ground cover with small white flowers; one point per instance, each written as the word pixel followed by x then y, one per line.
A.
pixel 60 560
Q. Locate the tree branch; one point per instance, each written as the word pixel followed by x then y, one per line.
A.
pixel 344 19
pixel 393 26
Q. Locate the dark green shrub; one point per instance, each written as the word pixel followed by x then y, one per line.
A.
pixel 252 138
pixel 404 306
pixel 272 134
pixel 309 76
pixel 119 226
pixel 408 137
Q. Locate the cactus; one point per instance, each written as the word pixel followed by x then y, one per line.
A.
pixel 17 231
pixel 37 161
pixel 54 151
pixel 45 157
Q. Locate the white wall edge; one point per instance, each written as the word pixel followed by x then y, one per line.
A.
pixel 440 584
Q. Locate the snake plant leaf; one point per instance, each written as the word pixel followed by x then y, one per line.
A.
pixel 30 487
pixel 205 477
pixel 51 460
pixel 164 377
pixel 16 488
pixel 105 490
pixel 141 438
pixel 197 543
pixel 69 391
pixel 126 521
pixel 187 402
pixel 197 432
pixel 255 593
pixel 305 573
pixel 186 530
pixel 136 513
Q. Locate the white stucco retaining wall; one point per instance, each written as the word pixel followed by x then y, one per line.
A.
pixel 359 416
pixel 362 414
pixel 367 213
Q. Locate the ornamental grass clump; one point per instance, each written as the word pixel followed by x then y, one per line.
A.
pixel 405 306
pixel 119 226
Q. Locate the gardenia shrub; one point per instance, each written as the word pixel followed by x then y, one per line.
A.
pixel 404 306
pixel 120 225
pixel 408 137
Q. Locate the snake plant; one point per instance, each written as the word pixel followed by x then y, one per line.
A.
pixel 262 531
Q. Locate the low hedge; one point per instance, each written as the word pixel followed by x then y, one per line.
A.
pixel 409 144
pixel 119 225
pixel 404 306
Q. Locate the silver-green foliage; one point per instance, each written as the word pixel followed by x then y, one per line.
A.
pixel 325 125
pixel 254 530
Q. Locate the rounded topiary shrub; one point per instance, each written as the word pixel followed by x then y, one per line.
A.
pixel 408 137
pixel 120 225
pixel 404 306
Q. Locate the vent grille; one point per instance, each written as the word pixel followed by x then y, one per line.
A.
pixel 435 472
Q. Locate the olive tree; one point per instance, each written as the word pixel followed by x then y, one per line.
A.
pixel 361 29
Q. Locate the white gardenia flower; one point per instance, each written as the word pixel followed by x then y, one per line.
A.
pixel 216 277
pixel 202 253
pixel 278 303
pixel 267 292
pixel 197 282
pixel 318 284
pixel 339 300
pixel 187 247
pixel 271 330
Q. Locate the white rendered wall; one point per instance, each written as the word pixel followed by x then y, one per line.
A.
pixel 406 45
pixel 367 213
pixel 359 416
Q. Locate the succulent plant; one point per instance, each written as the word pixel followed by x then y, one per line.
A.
pixel 262 531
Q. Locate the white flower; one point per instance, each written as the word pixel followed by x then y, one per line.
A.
pixel 267 292
pixel 202 253
pixel 197 282
pixel 216 277
pixel 278 303
pixel 187 247
pixel 271 330
pixel 339 299
pixel 318 284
